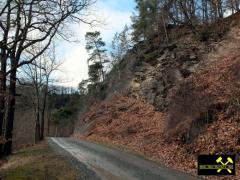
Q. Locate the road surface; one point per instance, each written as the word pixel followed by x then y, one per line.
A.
pixel 102 162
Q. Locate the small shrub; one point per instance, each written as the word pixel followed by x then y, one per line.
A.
pixel 151 57
pixel 204 36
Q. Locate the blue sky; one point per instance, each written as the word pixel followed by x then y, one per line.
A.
pixel 114 14
pixel 119 5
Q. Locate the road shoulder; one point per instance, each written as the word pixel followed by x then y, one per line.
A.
pixel 38 162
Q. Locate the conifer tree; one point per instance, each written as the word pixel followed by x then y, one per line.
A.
pixel 96 48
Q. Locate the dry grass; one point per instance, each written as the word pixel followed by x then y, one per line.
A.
pixel 38 163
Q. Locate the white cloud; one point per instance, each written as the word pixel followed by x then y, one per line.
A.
pixel 75 66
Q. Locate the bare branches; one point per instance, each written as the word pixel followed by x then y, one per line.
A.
pixel 26 24
pixel 38 75
pixel 36 21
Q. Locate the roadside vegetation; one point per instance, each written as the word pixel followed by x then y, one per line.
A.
pixel 38 163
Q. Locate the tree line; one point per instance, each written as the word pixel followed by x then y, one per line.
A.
pixel 155 15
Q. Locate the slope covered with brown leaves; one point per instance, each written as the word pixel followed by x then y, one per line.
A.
pixel 210 99
pixel 203 116
pixel 132 123
pixel 124 120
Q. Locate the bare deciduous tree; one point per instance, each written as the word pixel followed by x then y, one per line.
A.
pixel 37 74
pixel 23 25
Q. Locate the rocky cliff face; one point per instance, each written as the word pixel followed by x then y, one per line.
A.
pixel 156 79
pixel 153 71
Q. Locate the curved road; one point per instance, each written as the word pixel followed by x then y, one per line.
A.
pixel 102 162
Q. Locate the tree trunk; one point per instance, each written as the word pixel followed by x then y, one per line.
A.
pixel 48 123
pixel 204 11
pixel 2 95
pixel 42 125
pixel 237 5
pixel 220 9
pixel 187 19
pixel 165 29
pixel 37 123
pixel 37 128
pixel 43 114
pixel 56 130
pixel 10 113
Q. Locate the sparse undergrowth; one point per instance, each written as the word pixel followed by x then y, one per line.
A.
pixel 38 163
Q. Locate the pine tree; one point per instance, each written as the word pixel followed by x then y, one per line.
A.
pixel 145 22
pixel 96 48
pixel 140 21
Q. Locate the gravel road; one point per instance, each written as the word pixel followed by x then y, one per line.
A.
pixel 100 162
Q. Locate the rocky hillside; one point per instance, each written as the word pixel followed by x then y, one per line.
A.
pixel 173 101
